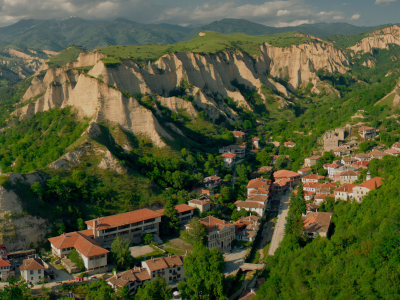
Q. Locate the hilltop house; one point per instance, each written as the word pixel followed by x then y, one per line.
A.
pixel 304 172
pixel 252 206
pixel 396 146
pixel 203 204
pixel 220 233
pixel 349 176
pixel 185 212
pixel 377 154
pixel 259 186
pixel 294 178
pixel 93 255
pixel 240 151
pixel 344 192
pixel 312 178
pixel 311 161
pixel 238 134
pixel 228 159
pixel 212 182
pixel 6 269
pixel 318 224
pixel 361 190
pixel 363 164
pixel 32 270
pixel 170 268
pixel 367 132
pixel 289 144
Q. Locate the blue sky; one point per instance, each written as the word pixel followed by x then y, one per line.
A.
pixel 197 12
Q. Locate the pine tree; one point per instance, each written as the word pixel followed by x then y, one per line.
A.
pixel 171 218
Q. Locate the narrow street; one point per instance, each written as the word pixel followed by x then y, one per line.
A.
pixel 279 231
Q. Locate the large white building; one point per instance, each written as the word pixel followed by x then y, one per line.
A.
pixel 32 270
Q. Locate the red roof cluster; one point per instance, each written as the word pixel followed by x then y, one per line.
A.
pixel 285 174
pixel 372 183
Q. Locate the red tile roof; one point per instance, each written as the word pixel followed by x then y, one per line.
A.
pixel 228 155
pixel 82 243
pixel 348 187
pixel 124 219
pixel 396 145
pixel 376 153
pixel 259 183
pixel 257 198
pixel 160 263
pixel 363 128
pixel 238 133
pixel 180 208
pixel 370 184
pixel 5 263
pixel 305 170
pixel 250 204
pixel 392 151
pixel 123 278
pixel 255 139
pixel 212 222
pixel 317 221
pixel 312 185
pixel 364 163
pixel 285 174
pixel 314 177
pixel 32 264
pixel 289 143
pixel 350 173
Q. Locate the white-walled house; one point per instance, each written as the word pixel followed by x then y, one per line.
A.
pixel 5 264
pixel 32 270
pixel 91 252
pixel 251 206
pixel 229 159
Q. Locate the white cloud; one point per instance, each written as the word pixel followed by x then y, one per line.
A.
pixel 355 17
pixel 283 12
pixel 384 2
pixel 337 18
pixel 294 23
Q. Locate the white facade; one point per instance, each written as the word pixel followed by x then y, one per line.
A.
pixel 33 276
pixel 221 239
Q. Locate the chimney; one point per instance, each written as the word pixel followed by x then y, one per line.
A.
pixel 152 258
pixel 94 227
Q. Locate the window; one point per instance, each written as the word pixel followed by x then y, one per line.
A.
pixel 39 271
pixel 31 272
pixel 170 271
pixel 179 268
pixel 31 278
pixel 179 276
pixel 40 277
pixel 170 278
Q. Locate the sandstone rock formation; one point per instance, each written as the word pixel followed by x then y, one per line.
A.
pixel 18 229
pixel 380 39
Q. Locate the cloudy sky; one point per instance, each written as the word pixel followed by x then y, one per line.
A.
pixel 197 12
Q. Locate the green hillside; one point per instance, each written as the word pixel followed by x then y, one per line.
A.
pixel 65 56
pixel 212 42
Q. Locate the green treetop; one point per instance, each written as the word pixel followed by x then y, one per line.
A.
pixel 120 252
pixel 156 289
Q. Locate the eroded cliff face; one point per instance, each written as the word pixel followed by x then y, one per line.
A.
pixel 18 229
pixel 210 79
pixel 380 39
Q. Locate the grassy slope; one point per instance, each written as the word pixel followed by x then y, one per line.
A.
pixel 65 56
pixel 212 42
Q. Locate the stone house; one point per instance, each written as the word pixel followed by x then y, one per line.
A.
pixel 331 141
pixel 246 228
pixel 289 144
pixel 228 159
pixel 311 161
pixel 239 134
pixel 252 206
pixel 212 182
pixel 312 178
pixel 344 192
pixel 362 156
pixel 240 151
pixel 363 164
pixel 294 178
pixel 349 176
pixel 377 154
pixel 318 224
pixel 392 151
pixel 32 270
pixel 347 161
pixel 304 172
pixel 367 132
pixel 361 190
pixel 203 204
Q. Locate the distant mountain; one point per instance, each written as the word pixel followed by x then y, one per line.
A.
pixel 228 26
pixel 58 34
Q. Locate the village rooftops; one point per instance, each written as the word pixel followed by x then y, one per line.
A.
pixel 181 208
pixel 82 243
pixel 5 263
pixel 250 204
pixel 32 264
pixel 228 155
pixel 285 174
pixel 314 177
pixel 255 139
pixel 257 198
pixel 212 223
pixel 259 183
pixel 238 133
pixel 392 151
pixel 123 278
pixel 161 263
pixel 281 182
pixel 347 187
pixel 328 185
pixel 364 128
pixel 317 221
pixel 305 170
pixel 350 173
pixel 363 163
pixel 200 201
pixel 373 183
pixel 131 217
pixel 396 145
pixel 289 144
pixel 376 153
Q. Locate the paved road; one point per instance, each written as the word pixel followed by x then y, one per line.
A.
pixel 279 228
pixel 234 260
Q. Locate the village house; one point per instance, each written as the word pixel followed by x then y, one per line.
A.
pixel 294 178
pixel 32 270
pixel 252 206
pixel 228 159
pixel 246 228
pixel 377 154
pixel 203 204
pixel 280 186
pixel 361 190
pixel 311 186
pixel 367 132
pixel 331 170
pixel 311 161
pixel 170 268
pixel 260 186
pixel 6 269
pixel 312 178
pixel 396 146
pixel 349 176
pixel 239 134
pixel 212 182
pixel 93 255
pixel 318 224
pixel 392 151
pixel 319 198
pixel 349 145
pixel 130 225
pixel 341 151
pixel 255 142
pixel 289 144
pixel 344 192
pixel 274 158
pixel 266 170
pixel 326 188
pixel 308 196
pixel 185 213
pixel 348 161
pixel 220 233
pixel 263 199
pixel 362 156
pixel 240 151
pixel 340 170
pixel 304 172
pixel 363 164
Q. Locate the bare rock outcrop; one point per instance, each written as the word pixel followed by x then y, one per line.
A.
pixel 380 39
pixel 18 229
pixel 110 162
pixel 176 104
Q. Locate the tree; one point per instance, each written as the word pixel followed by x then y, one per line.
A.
pixel 197 232
pixel 16 290
pixel 77 260
pixel 147 238
pixel 37 189
pixel 81 224
pixel 203 274
pixel 100 290
pixel 263 158
pixel 171 218
pixel 156 289
pixel 281 162
pixel 226 194
pixel 123 293
pixel 120 252
pixel 237 214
